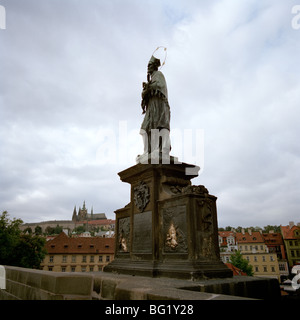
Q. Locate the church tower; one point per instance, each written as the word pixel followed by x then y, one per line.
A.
pixel 74 217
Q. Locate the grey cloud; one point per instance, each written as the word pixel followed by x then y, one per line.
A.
pixel 72 69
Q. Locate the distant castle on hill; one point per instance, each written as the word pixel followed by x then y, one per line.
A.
pixel 81 218
pixel 83 215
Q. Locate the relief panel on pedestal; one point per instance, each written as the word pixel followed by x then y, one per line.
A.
pixel 124 235
pixel 205 228
pixel 175 230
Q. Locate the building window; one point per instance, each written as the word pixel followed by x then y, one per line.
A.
pixel 64 259
pixel 255 258
pixel 50 268
pixel 73 259
pixel 83 269
pixel 264 258
pixel 92 259
pixel 100 259
pixel 273 268
pixel 63 269
pixel 51 258
pixel 256 269
pixel 107 258
pixel 91 269
pixel 292 253
pixel 248 258
pixel 282 267
pixel 241 248
pixel 83 258
pixel 261 247
pixel 73 269
pixel 246 248
pixel 271 258
pixel 265 269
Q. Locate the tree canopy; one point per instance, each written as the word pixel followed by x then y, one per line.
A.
pixel 238 261
pixel 18 248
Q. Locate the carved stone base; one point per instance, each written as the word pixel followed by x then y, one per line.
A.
pixel 169 228
pixel 156 158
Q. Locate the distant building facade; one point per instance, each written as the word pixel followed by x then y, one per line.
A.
pixel 274 242
pixel 253 248
pixel 227 244
pixel 291 238
pixel 81 254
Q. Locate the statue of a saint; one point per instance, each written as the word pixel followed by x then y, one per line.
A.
pixel 155 128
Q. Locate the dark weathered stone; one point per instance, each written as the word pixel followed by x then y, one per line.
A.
pixel 142 232
pixel 176 234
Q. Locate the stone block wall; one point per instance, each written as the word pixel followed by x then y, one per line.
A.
pixel 29 284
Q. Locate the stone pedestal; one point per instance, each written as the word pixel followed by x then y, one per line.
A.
pixel 169 228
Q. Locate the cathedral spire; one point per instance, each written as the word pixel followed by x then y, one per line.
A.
pixel 74 214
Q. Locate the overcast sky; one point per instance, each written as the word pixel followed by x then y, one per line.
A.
pixel 70 91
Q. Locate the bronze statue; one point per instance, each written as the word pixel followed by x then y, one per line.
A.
pixel 155 128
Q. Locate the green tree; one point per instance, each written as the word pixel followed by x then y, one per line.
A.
pixel 238 261
pixel 269 228
pixel 18 248
pixel 49 230
pixel 27 230
pixel 38 230
pixel 58 229
pixel 79 229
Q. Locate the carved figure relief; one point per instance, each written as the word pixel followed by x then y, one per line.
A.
pixel 172 237
pixel 141 195
pixel 175 230
pixel 124 234
pixel 207 247
pixel 207 218
pixel 178 189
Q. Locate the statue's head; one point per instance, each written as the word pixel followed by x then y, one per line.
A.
pixel 153 64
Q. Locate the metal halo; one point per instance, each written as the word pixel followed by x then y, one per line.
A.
pixel 165 49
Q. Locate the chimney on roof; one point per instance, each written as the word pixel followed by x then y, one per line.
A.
pixel 271 231
pixel 243 231
pixel 291 224
pixel 250 231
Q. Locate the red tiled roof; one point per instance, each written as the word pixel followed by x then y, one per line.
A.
pixel 255 237
pixel 288 233
pixel 273 238
pixel 104 222
pixel 91 245
pixel 236 271
pixel 224 235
